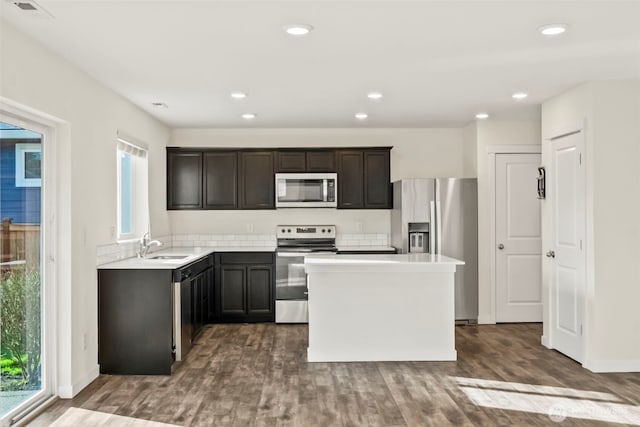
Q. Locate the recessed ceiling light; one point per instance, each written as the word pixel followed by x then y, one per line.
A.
pixel 374 95
pixel 298 29
pixel 238 95
pixel 361 116
pixel 159 104
pixel 482 116
pixel 553 29
pixel 519 95
pixel 249 116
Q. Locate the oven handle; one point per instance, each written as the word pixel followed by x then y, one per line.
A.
pixel 302 254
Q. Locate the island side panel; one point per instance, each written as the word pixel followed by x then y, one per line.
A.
pixel 135 322
pixel 380 316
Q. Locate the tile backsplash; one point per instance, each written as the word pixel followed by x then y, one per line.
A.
pixel 226 240
pixel 118 251
pixel 362 239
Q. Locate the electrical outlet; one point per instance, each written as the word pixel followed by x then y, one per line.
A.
pixel 250 227
pixel 112 232
pixel 359 227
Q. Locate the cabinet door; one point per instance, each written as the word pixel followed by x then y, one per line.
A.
pixel 184 180
pixel 257 180
pixel 232 290
pixel 377 186
pixel 291 161
pixel 220 180
pixel 350 179
pixel 321 161
pixel 211 296
pixel 259 290
pixel 198 301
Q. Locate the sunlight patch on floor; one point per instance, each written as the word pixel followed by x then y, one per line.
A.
pixel 74 417
pixel 556 402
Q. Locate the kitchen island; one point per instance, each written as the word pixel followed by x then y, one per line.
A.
pixel 381 307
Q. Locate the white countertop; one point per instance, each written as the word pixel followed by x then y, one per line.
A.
pixel 380 262
pixel 366 248
pixel 192 254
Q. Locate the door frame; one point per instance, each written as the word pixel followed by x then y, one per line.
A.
pixel 32 120
pixel 587 273
pixel 492 150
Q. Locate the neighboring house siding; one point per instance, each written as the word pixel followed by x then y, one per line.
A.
pixel 22 204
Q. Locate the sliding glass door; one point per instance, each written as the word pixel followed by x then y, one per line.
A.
pixel 23 296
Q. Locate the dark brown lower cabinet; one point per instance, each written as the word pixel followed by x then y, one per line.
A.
pixel 244 287
pixel 135 322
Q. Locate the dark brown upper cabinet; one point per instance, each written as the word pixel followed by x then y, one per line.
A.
pixel 350 179
pixel 321 161
pixel 244 179
pixel 292 161
pixel 377 186
pixel 297 161
pixel 184 180
pixel 257 180
pixel 220 179
pixel 364 179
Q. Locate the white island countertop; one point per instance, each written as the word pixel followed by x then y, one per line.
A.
pixel 381 307
pixel 191 254
pixel 380 263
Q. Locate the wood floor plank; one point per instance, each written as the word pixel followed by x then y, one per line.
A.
pixel 257 375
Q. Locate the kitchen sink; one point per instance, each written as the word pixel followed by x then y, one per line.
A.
pixel 168 257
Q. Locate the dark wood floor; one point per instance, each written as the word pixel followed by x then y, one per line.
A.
pixel 257 374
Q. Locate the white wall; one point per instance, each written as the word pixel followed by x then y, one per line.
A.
pixel 470 150
pixel 611 114
pixel 494 132
pixel 416 153
pixel 88 116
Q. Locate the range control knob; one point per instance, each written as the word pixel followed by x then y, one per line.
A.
pixel 283 230
pixel 289 230
pixel 324 231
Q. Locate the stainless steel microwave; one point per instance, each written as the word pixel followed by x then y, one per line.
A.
pixel 306 190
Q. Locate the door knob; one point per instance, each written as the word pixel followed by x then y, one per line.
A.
pixel 551 254
pixel 501 246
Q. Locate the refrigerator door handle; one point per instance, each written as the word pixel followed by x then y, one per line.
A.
pixel 439 228
pixel 432 228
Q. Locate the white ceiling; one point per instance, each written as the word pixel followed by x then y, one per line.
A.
pixel 437 63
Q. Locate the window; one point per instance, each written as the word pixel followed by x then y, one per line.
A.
pixel 28 165
pixel 133 191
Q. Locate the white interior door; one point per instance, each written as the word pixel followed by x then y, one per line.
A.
pixel 567 291
pixel 518 239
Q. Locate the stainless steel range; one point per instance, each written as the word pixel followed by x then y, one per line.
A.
pixel 294 242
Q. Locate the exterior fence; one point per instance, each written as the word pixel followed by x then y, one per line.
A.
pixel 20 243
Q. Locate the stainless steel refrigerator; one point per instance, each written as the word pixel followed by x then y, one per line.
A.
pixel 440 216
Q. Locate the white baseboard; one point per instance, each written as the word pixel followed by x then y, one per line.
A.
pixel 544 340
pixel 69 392
pixel 486 320
pixel 609 366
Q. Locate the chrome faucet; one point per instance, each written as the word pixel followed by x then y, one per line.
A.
pixel 145 244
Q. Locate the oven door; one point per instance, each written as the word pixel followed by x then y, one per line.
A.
pixel 291 287
pixel 291 280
